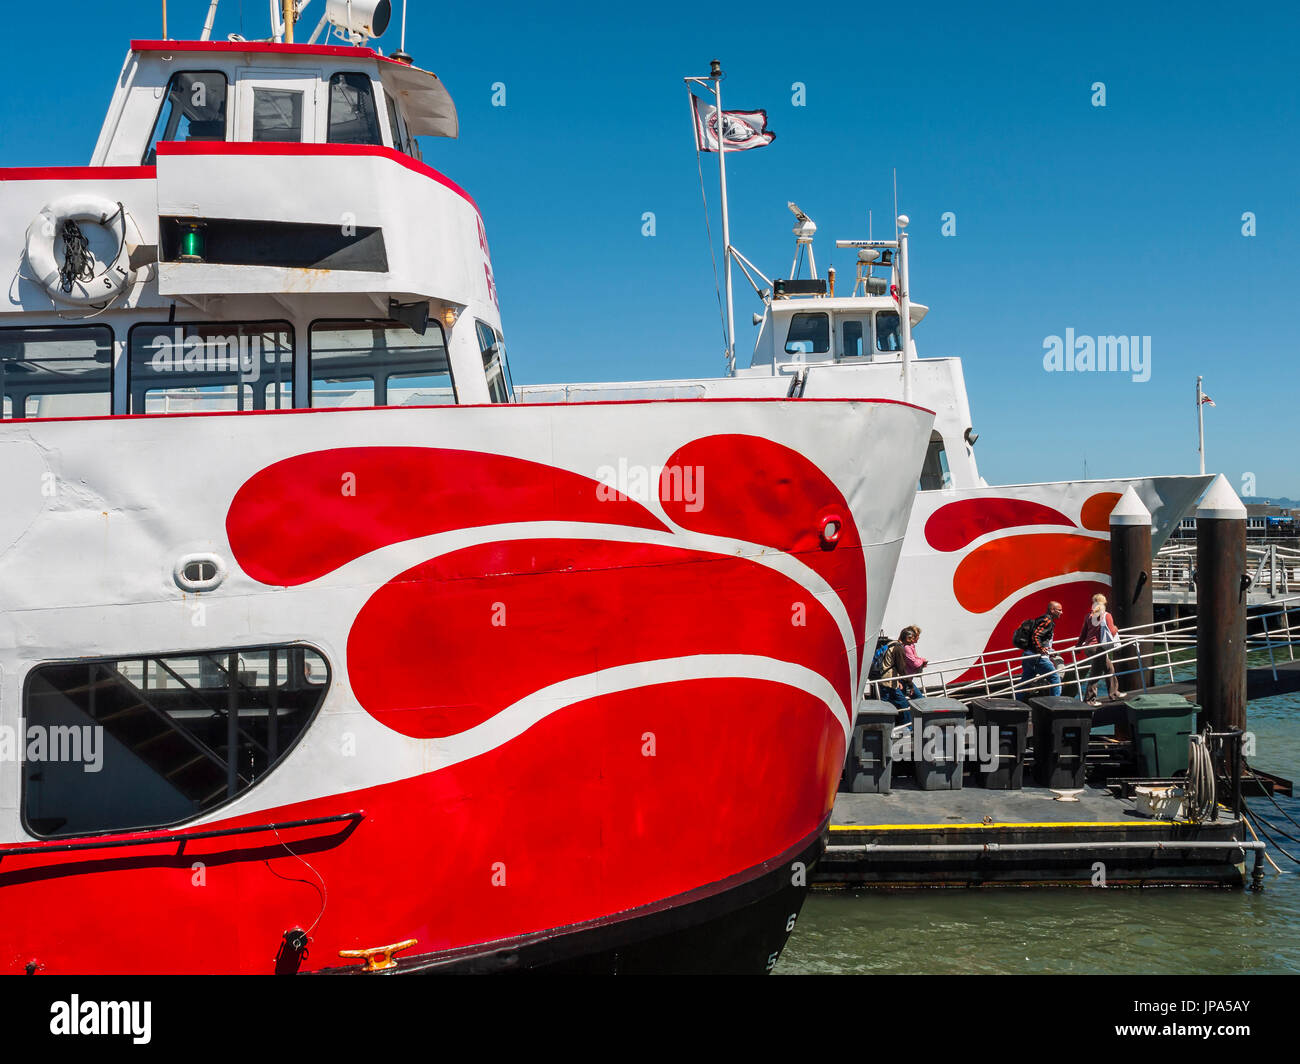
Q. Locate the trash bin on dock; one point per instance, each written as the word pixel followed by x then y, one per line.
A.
pixel 1160 725
pixel 1062 728
pixel 938 742
pixel 1008 721
pixel 868 768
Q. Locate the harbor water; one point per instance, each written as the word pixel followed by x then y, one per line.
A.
pixel 1078 931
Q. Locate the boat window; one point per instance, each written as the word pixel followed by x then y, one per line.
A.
pixel 394 124
pixel 934 471
pixel 212 366
pixel 193 109
pixel 353 119
pixel 810 334
pixel 277 115
pixel 59 371
pixel 379 363
pixel 125 744
pixel 856 339
pixel 887 336
pixel 493 349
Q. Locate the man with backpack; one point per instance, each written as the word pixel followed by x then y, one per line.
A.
pixel 887 665
pixel 1034 637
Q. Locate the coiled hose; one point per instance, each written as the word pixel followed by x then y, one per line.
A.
pixel 1200 781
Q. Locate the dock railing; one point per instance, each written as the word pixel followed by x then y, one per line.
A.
pixel 1274 569
pixel 1156 653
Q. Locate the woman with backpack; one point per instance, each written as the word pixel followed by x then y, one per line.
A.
pixel 1100 633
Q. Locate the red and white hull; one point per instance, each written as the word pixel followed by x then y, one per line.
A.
pixel 567 689
pixel 978 561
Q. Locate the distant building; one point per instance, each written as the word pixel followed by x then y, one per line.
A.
pixel 1262 519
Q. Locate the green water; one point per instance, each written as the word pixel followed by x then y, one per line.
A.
pixel 1079 931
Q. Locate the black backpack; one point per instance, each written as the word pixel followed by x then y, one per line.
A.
pixel 1024 634
pixel 877 657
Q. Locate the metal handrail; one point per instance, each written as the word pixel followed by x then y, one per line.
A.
pixel 1157 645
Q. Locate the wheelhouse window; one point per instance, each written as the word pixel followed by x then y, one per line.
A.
pixel 887 334
pixel 277 115
pixel 934 470
pixel 495 366
pixel 134 743
pixel 194 108
pixel 810 334
pixel 59 371
pixel 394 124
pixel 216 366
pixel 379 363
pixel 352 115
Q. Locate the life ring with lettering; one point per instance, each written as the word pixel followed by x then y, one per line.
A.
pixel 77 276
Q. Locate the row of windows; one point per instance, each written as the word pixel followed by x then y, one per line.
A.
pixel 810 334
pixel 194 108
pixel 66 371
pixel 135 743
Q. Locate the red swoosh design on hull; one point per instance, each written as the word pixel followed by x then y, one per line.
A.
pixel 998 568
pixel 763 492
pixel 573 814
pixel 304 517
pixel 452 642
pixel 1095 514
pixel 959 524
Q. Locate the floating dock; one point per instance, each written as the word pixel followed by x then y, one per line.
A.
pixel 974 837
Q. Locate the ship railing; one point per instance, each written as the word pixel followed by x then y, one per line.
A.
pixel 1150 654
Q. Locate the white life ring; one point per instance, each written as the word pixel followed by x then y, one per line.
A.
pixel 110 280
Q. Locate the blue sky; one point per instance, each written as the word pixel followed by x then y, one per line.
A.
pixel 1123 219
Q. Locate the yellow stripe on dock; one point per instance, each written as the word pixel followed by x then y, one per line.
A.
pixel 989 827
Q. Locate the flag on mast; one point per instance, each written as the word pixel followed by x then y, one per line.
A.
pixel 741 130
pixel 1206 400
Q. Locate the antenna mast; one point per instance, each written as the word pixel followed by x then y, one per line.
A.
pixel 715 75
pixel 895 202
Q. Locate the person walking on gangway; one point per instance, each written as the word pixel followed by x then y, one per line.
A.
pixel 1037 660
pixel 1100 634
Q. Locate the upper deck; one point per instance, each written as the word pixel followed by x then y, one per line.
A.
pixel 236 184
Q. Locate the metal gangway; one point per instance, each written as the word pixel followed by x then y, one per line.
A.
pixel 1157 653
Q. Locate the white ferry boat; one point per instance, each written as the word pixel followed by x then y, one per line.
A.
pixel 321 652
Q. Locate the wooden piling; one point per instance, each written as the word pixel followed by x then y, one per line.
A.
pixel 1130 583
pixel 1221 607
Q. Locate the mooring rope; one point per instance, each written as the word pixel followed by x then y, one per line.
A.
pixel 78 262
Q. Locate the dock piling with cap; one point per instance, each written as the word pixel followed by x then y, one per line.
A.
pixel 1130 582
pixel 1221 583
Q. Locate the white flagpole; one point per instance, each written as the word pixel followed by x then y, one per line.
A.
pixel 715 74
pixel 1200 424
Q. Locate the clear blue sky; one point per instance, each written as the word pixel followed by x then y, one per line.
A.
pixel 1125 219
